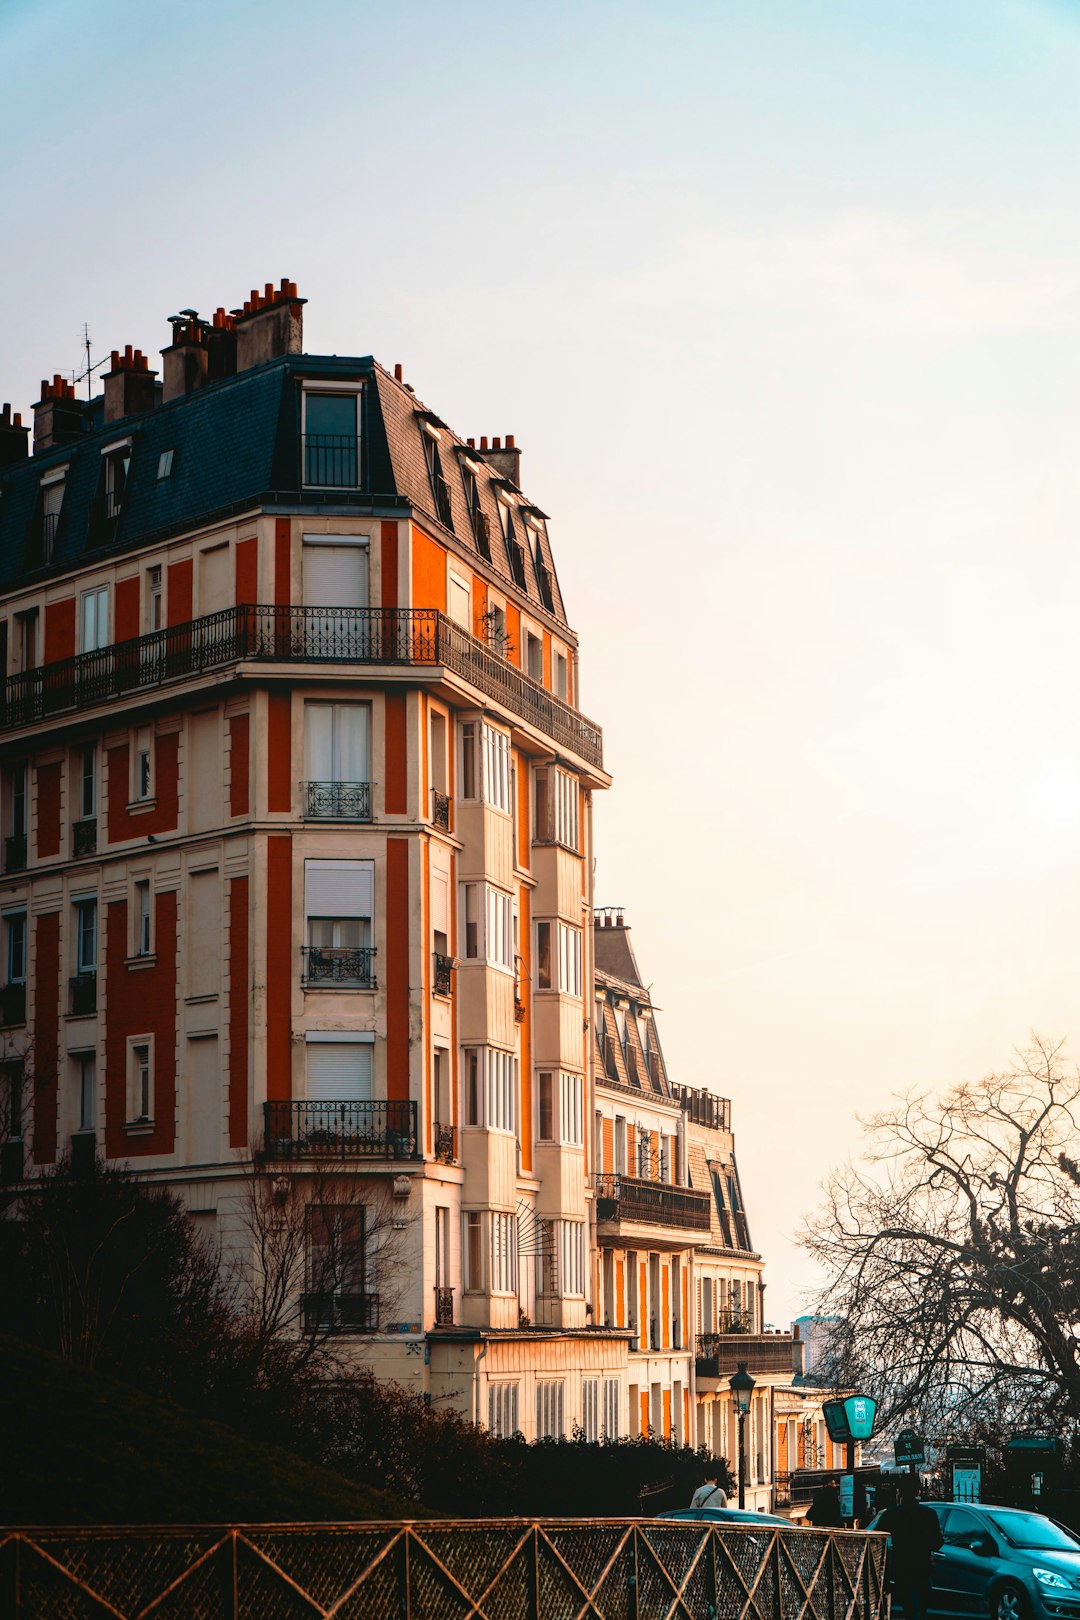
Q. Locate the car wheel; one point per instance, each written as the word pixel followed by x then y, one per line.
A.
pixel 1010 1603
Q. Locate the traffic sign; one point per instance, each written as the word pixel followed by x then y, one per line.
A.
pixel 908 1447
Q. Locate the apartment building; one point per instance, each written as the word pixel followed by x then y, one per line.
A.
pixel 296 800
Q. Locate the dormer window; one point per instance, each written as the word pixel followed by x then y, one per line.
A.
pixel 49 508
pixel 515 551
pixel 331 442
pixel 115 463
pixel 543 573
pixel 477 520
pixel 440 489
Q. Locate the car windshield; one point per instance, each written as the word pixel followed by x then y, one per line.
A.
pixel 1032 1530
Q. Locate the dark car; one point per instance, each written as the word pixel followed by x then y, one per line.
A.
pixel 1003 1562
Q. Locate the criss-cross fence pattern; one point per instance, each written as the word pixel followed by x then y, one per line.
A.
pixel 506 1569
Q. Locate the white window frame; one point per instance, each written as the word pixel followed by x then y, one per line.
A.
pixel 489 1079
pixel 86 906
pixel 94 619
pixel 142 772
pixel 550 1408
pixel 140 1074
pixel 143 913
pixel 487 925
pixel 503 1252
pixel 503 1401
pixel 16 939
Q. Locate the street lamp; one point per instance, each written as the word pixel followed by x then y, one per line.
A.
pixel 742 1390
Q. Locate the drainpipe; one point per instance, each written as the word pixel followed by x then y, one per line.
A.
pixel 476 1380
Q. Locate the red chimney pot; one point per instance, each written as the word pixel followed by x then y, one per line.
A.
pixel 483 441
pixel 510 441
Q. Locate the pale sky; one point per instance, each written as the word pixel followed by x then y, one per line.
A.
pixel 782 301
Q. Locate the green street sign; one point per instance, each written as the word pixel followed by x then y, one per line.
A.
pixel 850 1419
pixel 908 1447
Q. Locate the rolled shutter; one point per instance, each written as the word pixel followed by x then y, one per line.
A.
pixel 339 1071
pixel 335 576
pixel 339 888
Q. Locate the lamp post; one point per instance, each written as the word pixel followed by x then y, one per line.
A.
pixel 742 1390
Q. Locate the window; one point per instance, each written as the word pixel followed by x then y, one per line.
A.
pixel 477 521
pixel 543 573
pixel 546 1107
pixel 590 1409
pixel 459 601
pixel 15 926
pixel 560 672
pixel 331 444
pixel 15 841
pixel 440 489
pixel 154 616
pixel 495 786
pixel 558 957
pixel 489 1083
pixel 52 501
pixel 27 639
pixel 140 1092
pixel 115 463
pixel 341 1071
pixel 504 1253
pixel 515 551
pixel 611 1408
pixel 339 898
pixel 549 1408
pixel 487 916
pixel 88 783
pixel 561 1108
pixel 474 1251
pixel 143 785
pixel 534 656
pixel 503 1409
pixel 336 577
pixel 86 1079
pixel 142 917
pixel 556 803
pixel 165 464
pixel 95 619
pixel 86 918
pixel 337 747
pixel 570 1251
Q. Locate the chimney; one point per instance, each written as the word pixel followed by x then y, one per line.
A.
pixel 13 438
pixel 270 324
pixel 505 458
pixel 58 415
pixel 130 385
pixel 200 352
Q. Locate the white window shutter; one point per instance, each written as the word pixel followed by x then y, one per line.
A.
pixel 335 576
pixel 338 1071
pixel 339 888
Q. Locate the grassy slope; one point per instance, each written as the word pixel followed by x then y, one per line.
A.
pixel 81 1449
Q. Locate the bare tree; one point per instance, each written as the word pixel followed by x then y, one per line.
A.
pixel 953 1253
pixel 323 1256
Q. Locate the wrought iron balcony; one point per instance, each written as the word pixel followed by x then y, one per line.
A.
pixel 350 1130
pixel 337 801
pixel 444 1307
pixel 13 1004
pixel 340 1313
pixel 445 1143
pixel 440 809
pixel 15 853
pixel 417 637
pixel 84 837
pixel 83 993
pixel 331 460
pixel 442 975
pixel 351 966
pixel 651 1203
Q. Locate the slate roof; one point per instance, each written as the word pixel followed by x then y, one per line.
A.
pixel 236 445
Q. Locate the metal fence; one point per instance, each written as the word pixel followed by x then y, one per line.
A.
pixel 598 1569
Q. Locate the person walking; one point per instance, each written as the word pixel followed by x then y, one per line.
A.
pixel 710 1494
pixel 914 1536
pixel 824 1511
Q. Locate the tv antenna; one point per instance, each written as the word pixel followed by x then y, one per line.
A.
pixel 91 366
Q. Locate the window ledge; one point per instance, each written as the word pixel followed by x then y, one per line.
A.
pixel 202 1000
pixel 139 1127
pixel 135 806
pixel 141 959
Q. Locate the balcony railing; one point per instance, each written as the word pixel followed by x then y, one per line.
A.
pixel 340 1313
pixel 440 809
pixel 416 637
pixel 347 965
pixel 350 1130
pixel 719 1354
pixel 337 801
pixel 445 1143
pixel 655 1203
pixel 13 1004
pixel 84 837
pixel 442 974
pixel 15 853
pixel 331 460
pixel 83 993
pixel 444 1307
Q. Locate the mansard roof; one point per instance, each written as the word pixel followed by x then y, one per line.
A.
pixel 236 446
